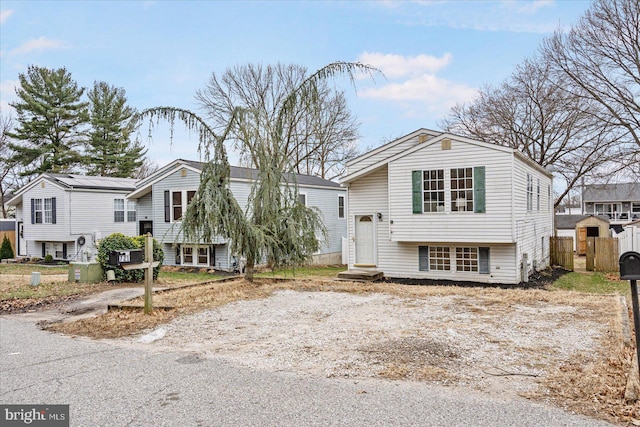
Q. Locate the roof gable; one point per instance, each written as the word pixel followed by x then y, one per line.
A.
pixel 422 145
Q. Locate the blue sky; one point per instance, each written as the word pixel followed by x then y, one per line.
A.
pixel 434 54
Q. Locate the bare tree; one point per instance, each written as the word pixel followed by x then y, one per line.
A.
pixel 317 140
pixel 147 168
pixel 10 177
pixel 531 113
pixel 599 59
pixel 275 225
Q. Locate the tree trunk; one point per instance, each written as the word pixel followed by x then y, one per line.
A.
pixel 249 269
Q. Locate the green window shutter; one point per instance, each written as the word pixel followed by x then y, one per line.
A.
pixel 423 258
pixel 416 186
pixel 478 190
pixel 483 264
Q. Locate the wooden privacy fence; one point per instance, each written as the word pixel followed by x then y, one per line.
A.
pixel 11 235
pixel 602 254
pixel 562 252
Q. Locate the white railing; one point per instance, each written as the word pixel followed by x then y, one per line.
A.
pixel 629 240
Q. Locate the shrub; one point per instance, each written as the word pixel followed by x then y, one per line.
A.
pixel 118 241
pixel 158 253
pixel 5 250
pixel 48 259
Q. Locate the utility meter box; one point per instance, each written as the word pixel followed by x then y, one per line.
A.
pixel 128 256
pixel 630 266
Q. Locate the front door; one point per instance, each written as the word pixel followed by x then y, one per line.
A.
pixel 22 244
pixel 364 239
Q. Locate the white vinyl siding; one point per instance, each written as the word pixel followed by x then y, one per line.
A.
pixel 491 226
pixel 495 239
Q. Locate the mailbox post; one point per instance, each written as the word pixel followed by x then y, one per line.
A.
pixel 133 260
pixel 630 270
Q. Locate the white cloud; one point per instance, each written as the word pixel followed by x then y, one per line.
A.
pixel 435 93
pixel 413 83
pixel 4 15
pixel 38 44
pixel 395 66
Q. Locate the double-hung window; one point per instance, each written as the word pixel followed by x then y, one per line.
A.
pixel 176 203
pixel 118 210
pixel 529 192
pixel 131 211
pixel 38 213
pixel 462 190
pixel 340 206
pixel 433 187
pixel 43 211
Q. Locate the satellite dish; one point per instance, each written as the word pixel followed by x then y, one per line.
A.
pixel 81 241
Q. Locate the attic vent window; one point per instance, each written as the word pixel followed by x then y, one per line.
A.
pixel 183 172
pixel 446 144
pixel 422 138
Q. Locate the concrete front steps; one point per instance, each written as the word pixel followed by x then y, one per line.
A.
pixel 364 273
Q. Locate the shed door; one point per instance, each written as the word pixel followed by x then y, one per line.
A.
pixel 364 239
pixel 582 240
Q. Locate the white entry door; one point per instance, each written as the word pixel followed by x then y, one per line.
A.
pixel 364 239
pixel 22 244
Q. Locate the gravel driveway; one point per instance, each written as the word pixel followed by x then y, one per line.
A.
pixel 484 342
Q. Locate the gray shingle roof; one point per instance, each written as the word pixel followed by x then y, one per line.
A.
pixel 612 192
pixel 238 172
pixel 568 222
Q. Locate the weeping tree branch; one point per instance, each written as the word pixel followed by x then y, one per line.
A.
pixel 275 226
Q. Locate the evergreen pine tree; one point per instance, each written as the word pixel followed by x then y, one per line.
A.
pixel 110 151
pixel 50 117
pixel 6 251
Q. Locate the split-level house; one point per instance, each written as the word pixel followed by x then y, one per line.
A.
pixel 163 197
pixel 65 215
pixel 433 205
pixel 619 202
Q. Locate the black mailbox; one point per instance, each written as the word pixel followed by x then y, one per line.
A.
pixel 127 256
pixel 630 266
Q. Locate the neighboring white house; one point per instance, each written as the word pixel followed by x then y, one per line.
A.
pixel 163 196
pixel 433 205
pixel 64 215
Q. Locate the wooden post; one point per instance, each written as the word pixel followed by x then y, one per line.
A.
pixel 591 254
pixel 636 318
pixel 148 274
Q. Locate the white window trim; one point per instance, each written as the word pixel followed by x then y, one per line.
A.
pixel 344 206
pixel 195 255
pixel 306 198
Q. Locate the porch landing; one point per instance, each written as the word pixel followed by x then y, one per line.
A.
pixel 361 275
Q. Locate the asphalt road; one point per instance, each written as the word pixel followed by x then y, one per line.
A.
pixel 109 385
